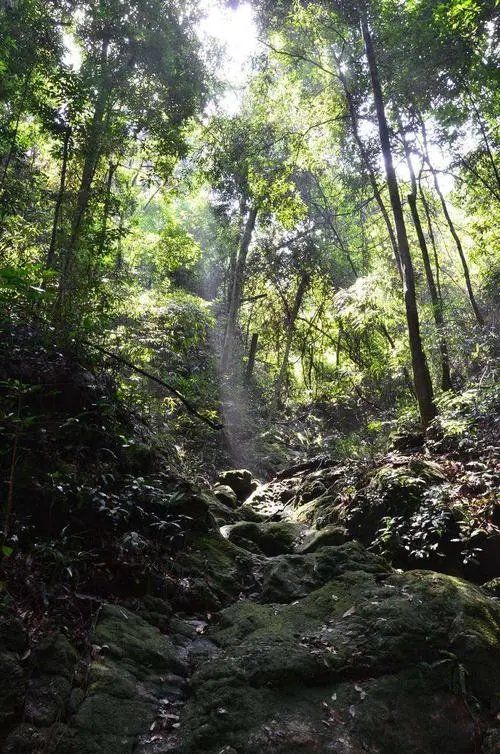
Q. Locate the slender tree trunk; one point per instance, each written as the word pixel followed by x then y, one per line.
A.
pixel 437 307
pixel 461 254
pixel 484 134
pixel 299 296
pixel 13 140
pixel 430 231
pixel 453 231
pixel 60 198
pixel 337 347
pixel 107 203
pixel 233 256
pixel 421 376
pixel 119 250
pixel 251 357
pixel 371 175
pixel 437 304
pixel 92 154
pixel 237 287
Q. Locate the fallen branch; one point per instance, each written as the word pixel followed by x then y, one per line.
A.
pixel 189 406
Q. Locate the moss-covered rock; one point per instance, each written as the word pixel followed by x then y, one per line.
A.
pixel 12 688
pixel 329 536
pixel 289 577
pixel 272 538
pixel 363 663
pixel 28 739
pixel 131 672
pixel 240 481
pixel 211 572
pixel 393 489
pixel 493 587
pixel 222 513
pixel 226 495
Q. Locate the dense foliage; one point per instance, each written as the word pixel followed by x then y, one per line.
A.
pixel 327 248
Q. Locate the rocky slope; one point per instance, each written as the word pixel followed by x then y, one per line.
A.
pixel 139 613
pixel 322 647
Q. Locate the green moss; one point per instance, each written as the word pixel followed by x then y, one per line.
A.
pixel 130 638
pixel 272 538
pixel 104 714
pixel 283 680
pixel 211 572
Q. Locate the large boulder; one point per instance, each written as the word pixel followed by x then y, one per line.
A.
pixel 240 481
pixel 50 684
pixel 12 688
pixel 367 662
pixel 289 577
pixel 271 538
pixel 329 536
pixel 225 494
pixel 209 573
pixel 134 671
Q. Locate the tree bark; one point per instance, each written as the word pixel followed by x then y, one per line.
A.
pixel 430 231
pixel 437 304
pixel 453 231
pixel 20 112
pixel 60 198
pixel 107 203
pixel 237 287
pixel 92 153
pixel 421 375
pixel 371 175
pixel 297 303
pixel 251 357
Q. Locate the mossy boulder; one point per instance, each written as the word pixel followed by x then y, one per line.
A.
pixel 393 489
pixel 493 587
pixel 271 538
pixel 55 655
pixel 131 672
pixel 210 572
pixel 328 536
pixel 28 739
pixel 226 495
pixel 240 481
pixel 289 577
pixel 223 514
pixel 365 662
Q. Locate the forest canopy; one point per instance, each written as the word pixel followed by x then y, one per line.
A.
pixel 310 225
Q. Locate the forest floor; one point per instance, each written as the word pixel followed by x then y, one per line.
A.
pixel 342 606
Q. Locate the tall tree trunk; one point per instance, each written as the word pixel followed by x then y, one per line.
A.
pixel 119 249
pixel 353 115
pixel 437 304
pixel 430 231
pixel 237 287
pixel 337 347
pixel 484 134
pixel 461 254
pixel 297 303
pixel 91 159
pixel 251 357
pixel 107 203
pixel 13 140
pixel 453 231
pixel 421 376
pixel 60 198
